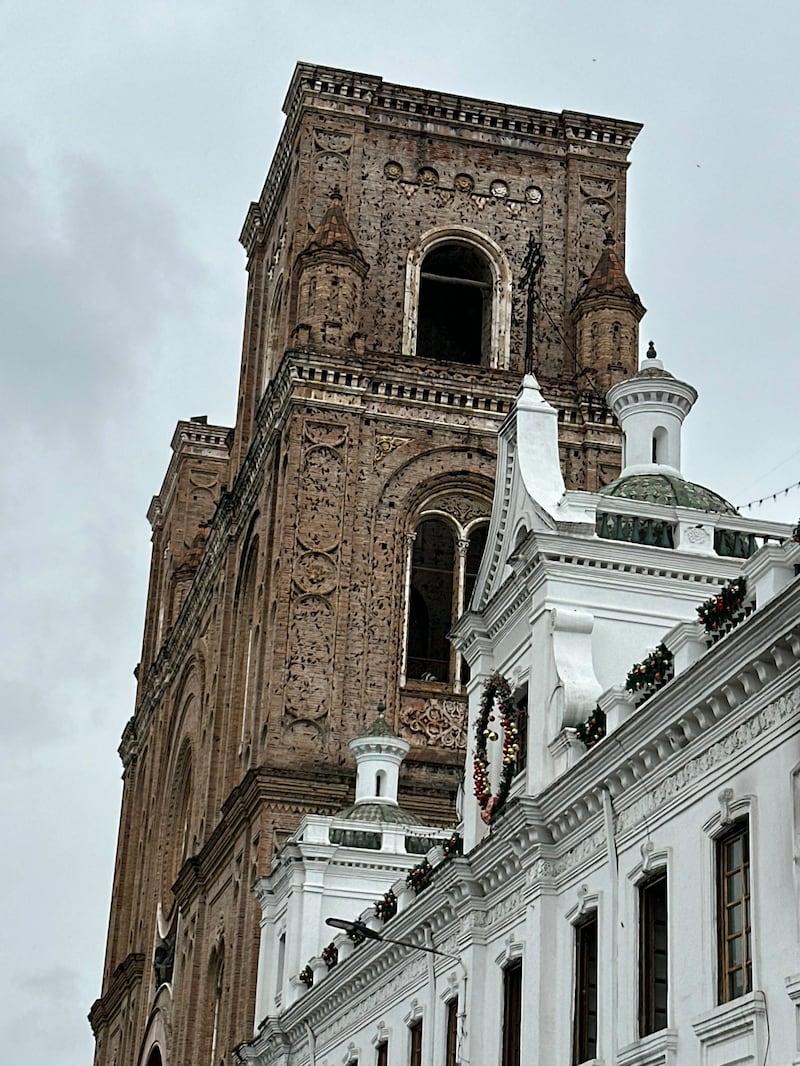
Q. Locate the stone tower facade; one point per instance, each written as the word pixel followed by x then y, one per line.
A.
pixel 410 254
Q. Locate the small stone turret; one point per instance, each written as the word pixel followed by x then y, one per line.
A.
pixel 650 408
pixel 606 314
pixel 378 754
pixel 329 279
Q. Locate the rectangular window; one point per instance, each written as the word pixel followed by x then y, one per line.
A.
pixel 653 955
pixel 512 1014
pixel 733 913
pixel 382 1056
pixel 585 1033
pixel 451 1034
pixel 522 733
pixel 415 1053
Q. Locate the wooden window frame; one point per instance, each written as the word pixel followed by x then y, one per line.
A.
pixel 584 1040
pixel 734 978
pixel 451 1032
pixel 512 1014
pixel 415 1043
pixel 653 990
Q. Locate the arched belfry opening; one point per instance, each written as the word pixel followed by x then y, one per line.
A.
pixel 458 299
pixel 454 321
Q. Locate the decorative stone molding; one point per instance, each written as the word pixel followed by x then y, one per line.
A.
pixel 652 861
pixel 734 1032
pixel 587 903
pixel 730 810
pixel 572 654
pixel 658 1049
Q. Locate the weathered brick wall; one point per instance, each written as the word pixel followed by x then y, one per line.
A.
pixel 269 643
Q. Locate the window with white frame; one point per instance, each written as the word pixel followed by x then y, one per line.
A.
pixel 458 298
pixel 734 952
pixel 443 558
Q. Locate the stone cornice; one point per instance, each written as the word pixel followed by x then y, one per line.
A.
pixel 355 97
pixel 124 979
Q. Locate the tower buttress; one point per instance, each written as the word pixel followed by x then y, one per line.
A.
pixel 329 276
pixel 606 313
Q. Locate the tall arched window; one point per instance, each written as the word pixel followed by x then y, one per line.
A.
pixel 458 298
pixel 443 565
pixel 454 318
pixel 246 647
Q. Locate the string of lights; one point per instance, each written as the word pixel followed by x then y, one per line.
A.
pixel 769 496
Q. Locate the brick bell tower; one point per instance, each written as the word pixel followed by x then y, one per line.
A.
pixel 410 253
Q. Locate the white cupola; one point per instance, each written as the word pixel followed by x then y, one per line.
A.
pixel 378 754
pixel 650 408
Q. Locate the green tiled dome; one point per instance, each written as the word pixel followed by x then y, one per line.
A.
pixel 387 813
pixel 668 490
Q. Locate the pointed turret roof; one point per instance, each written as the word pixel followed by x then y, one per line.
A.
pixel 380 727
pixel 609 277
pixel 334 233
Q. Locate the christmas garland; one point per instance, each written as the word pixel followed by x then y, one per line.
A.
pixel 386 906
pixel 593 729
pixel 454 845
pixel 496 691
pixel 723 610
pixel 330 955
pixel 651 673
pixel 420 876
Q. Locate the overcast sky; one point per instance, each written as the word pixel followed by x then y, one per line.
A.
pixel 132 138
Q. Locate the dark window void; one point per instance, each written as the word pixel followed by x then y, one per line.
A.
pixel 451 1034
pixel 653 955
pixel 415 1049
pixel 455 306
pixel 733 913
pixel 431 607
pixel 585 1037
pixel 382 1054
pixel 435 596
pixel 512 1014
pixel 521 706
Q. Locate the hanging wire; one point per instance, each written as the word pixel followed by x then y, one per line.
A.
pixel 769 496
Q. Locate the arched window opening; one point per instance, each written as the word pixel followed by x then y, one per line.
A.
pixel 380 778
pixel 154 1058
pixel 454 320
pixel 246 647
pixel 660 445
pixel 280 968
pixel 475 550
pixel 217 972
pixel 272 353
pixel 443 570
pixel 431 601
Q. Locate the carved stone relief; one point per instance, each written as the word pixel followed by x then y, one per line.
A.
pixel 463 508
pixel 385 445
pixel 315 573
pixel 430 721
pixel 597 219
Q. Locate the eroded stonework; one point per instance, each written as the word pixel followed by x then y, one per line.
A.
pixel 278 606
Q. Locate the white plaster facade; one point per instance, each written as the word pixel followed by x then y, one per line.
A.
pixel 565 614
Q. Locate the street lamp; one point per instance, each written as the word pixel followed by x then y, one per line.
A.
pixel 359 930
